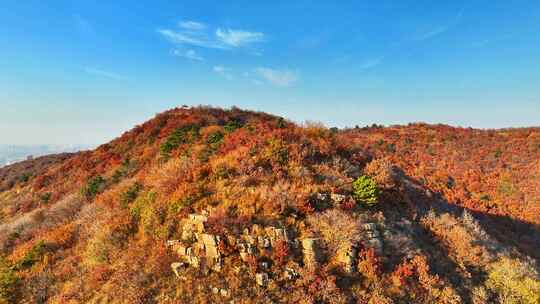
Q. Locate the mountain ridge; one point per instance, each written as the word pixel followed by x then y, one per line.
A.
pixel 455 206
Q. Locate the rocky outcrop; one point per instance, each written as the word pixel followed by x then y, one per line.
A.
pixel 326 200
pixel 310 250
pixel 347 257
pixel 372 238
pixel 202 250
pixel 261 279
pixel 198 249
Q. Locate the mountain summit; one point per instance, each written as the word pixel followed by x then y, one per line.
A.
pixel 205 205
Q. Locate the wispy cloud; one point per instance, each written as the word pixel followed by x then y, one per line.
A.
pixel 223 71
pixel 280 78
pixel 219 69
pixel 481 43
pixel 438 30
pixel 192 25
pixel 189 54
pixel 105 74
pixel 237 38
pixel 370 63
pixel 198 34
pixel 190 38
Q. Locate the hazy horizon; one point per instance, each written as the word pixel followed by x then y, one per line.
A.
pixel 84 73
pixel 10 154
pixel 118 131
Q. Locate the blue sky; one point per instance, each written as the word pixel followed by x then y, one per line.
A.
pixel 81 72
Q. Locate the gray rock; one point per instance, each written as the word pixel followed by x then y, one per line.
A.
pixel 261 279
pixel 311 252
pixel 369 226
pixel 176 267
pixel 290 274
pixel 373 234
pixel 338 198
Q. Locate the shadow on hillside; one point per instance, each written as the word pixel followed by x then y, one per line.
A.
pixel 510 232
pixel 521 235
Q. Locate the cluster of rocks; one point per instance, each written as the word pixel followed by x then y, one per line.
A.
pixel 372 238
pixel 197 248
pixel 202 250
pixel 262 279
pixel 347 256
pixel 258 239
pixel 332 199
pixel 338 198
pixel 290 274
pixel 311 252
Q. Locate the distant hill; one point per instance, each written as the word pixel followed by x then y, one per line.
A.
pixel 10 154
pixel 205 205
pixel 21 171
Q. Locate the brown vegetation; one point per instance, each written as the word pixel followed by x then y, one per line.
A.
pixel 386 206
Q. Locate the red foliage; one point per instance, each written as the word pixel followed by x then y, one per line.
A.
pixel 315 285
pixel 99 274
pixel 305 205
pixel 489 171
pixel 252 262
pixel 413 272
pixel 281 251
pixel 402 273
pixel 494 172
pixel 220 222
pixel 369 264
pixel 349 204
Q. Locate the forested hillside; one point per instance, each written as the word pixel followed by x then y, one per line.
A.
pixel 204 205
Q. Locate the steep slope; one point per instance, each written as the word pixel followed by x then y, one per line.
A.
pixel 493 173
pixel 203 205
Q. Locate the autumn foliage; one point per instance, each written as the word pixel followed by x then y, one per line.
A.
pixel 456 213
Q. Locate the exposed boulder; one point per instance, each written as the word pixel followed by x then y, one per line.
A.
pixel 372 238
pixel 310 250
pixel 176 267
pixel 261 279
pixel 347 256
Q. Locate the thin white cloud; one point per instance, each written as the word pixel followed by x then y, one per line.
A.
pixel 192 25
pixel 436 31
pixel 105 74
pixel 371 63
pixel 197 34
pixel 219 69
pixel 237 38
pixel 188 38
pixel 189 54
pixel 280 78
pixel 480 43
pixel 223 71
pixel 440 29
